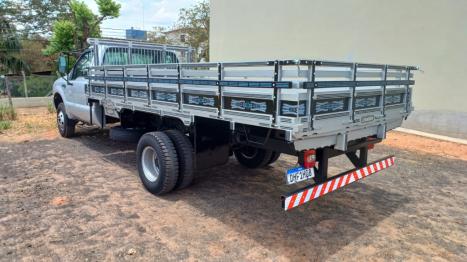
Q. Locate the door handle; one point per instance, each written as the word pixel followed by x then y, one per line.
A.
pixel 63 86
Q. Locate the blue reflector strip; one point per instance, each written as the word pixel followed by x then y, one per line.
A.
pixel 249 84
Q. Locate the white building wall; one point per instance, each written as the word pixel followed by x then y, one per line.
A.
pixel 429 33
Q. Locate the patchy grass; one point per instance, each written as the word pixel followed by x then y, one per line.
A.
pixel 51 108
pixel 7 112
pixel 5 124
pixel 31 123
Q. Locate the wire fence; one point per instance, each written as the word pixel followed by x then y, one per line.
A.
pixel 28 86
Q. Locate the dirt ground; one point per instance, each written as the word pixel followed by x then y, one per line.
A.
pixel 81 199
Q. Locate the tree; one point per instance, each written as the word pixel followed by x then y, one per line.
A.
pixel 71 34
pixel 195 21
pixel 9 50
pixel 33 16
pixel 158 36
pixel 32 55
pixel 84 22
pixel 62 39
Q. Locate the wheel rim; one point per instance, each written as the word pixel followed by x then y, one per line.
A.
pixel 61 120
pixel 249 152
pixel 150 163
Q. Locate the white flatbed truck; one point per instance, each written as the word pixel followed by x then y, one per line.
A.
pixel 197 115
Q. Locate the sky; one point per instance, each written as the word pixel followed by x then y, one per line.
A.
pixel 141 14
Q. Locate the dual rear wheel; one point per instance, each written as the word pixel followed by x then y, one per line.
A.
pixel 253 157
pixel 165 161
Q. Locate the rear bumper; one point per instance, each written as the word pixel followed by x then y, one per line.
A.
pixel 312 192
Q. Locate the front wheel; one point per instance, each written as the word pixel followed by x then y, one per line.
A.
pixel 66 126
pixel 253 157
pixel 157 162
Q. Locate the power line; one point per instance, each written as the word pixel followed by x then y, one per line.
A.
pixel 108 28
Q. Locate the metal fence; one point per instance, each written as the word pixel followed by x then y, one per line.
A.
pixel 28 86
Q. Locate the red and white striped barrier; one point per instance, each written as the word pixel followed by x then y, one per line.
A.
pixel 315 191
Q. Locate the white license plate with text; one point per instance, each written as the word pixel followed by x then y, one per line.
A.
pixel 299 174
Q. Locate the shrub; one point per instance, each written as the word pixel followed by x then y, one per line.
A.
pixel 51 108
pixel 7 112
pixel 37 85
pixel 5 124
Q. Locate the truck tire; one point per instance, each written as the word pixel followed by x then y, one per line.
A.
pixel 66 126
pixel 274 156
pixel 129 135
pixel 252 157
pixel 185 158
pixel 157 162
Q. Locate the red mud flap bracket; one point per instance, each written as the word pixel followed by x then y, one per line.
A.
pixel 311 192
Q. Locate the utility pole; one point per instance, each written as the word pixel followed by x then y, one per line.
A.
pixel 8 91
pixel 25 85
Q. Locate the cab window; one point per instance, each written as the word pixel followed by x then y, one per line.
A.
pixel 150 56
pixel 119 56
pixel 116 56
pixel 81 67
pixel 145 56
pixel 170 58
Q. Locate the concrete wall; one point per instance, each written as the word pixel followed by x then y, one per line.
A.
pixel 429 33
pixel 28 102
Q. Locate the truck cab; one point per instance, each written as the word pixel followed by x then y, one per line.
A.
pixel 70 89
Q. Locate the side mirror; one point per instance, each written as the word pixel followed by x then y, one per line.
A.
pixel 62 64
pixel 62 68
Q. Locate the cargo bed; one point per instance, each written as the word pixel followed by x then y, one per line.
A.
pixel 315 103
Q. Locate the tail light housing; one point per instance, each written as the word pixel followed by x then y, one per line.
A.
pixel 370 146
pixel 309 158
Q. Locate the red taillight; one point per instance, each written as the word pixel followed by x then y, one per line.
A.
pixel 309 158
pixel 370 146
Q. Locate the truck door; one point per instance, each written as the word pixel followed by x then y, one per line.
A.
pixel 75 91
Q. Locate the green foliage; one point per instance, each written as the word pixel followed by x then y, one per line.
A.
pixel 195 21
pixel 32 55
pixel 72 33
pixel 37 86
pixel 4 125
pixel 7 112
pixel 81 12
pixel 85 23
pixel 62 39
pixel 51 108
pixel 30 21
pixel 34 16
pixel 9 48
pixel 108 8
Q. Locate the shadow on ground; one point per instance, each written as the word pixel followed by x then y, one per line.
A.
pixel 248 201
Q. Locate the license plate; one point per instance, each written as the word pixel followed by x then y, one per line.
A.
pixel 299 174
